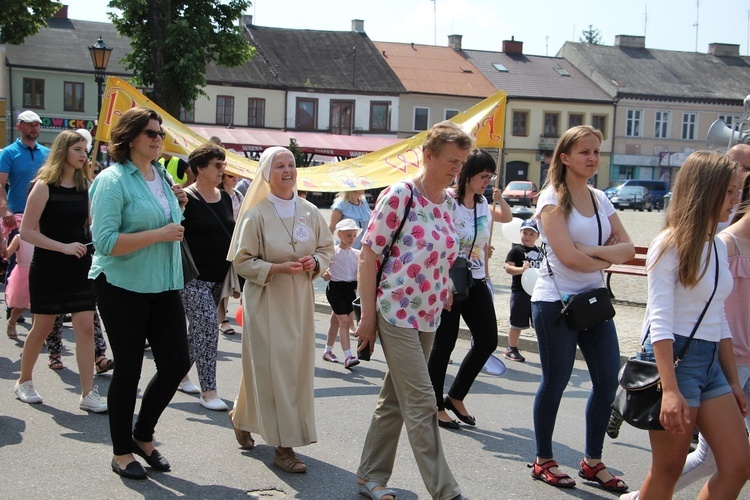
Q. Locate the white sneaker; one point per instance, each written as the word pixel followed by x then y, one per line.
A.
pixel 216 404
pixel 26 392
pixel 93 402
pixel 188 388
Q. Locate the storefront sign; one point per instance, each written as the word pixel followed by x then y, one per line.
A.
pixel 66 123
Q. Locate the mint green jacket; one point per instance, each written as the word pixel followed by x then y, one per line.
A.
pixel 122 203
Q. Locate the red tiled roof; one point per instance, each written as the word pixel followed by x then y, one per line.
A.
pixel 429 69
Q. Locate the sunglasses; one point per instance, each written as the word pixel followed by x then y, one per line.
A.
pixel 490 178
pixel 218 164
pixel 153 134
pixel 229 176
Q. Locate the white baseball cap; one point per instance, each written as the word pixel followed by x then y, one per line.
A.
pixel 29 117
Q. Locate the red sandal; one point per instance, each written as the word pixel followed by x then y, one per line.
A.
pixel 542 473
pixel 590 474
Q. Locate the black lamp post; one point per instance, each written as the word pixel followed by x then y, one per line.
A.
pixel 100 53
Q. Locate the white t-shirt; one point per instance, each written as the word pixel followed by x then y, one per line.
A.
pixel 673 309
pixel 156 187
pixel 343 265
pixel 464 222
pixel 583 230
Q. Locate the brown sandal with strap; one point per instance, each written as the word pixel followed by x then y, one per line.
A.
pixel 542 472
pixel 244 438
pixel 289 461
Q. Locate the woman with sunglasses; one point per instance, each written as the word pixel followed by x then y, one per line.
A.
pixel 473 222
pixel 208 226
pixel 137 270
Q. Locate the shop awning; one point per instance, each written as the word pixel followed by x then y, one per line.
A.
pixel 253 140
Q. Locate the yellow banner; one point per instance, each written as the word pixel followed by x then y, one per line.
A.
pixel 484 121
pixel 120 96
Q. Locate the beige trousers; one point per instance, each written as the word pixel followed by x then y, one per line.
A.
pixel 407 397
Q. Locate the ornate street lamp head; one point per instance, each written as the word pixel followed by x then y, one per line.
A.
pixel 100 53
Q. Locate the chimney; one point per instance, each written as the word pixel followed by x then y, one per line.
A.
pixel 512 46
pixel 630 41
pixel 247 20
pixel 454 42
pixel 358 25
pixel 724 49
pixel 62 13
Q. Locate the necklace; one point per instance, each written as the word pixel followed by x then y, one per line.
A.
pixel 291 236
pixel 426 194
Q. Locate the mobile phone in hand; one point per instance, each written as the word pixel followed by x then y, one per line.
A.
pixel 364 354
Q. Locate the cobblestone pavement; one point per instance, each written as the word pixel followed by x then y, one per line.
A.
pixel 630 291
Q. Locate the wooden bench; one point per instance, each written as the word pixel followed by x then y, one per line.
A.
pixel 634 267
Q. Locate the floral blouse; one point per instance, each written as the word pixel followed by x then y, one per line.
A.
pixel 414 286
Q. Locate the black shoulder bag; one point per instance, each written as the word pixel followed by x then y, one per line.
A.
pixel 589 308
pixel 357 303
pixel 189 269
pixel 460 271
pixel 638 400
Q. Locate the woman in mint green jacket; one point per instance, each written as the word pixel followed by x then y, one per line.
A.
pixel 137 268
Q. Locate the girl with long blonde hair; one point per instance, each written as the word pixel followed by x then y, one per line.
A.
pixel 56 223
pixel 687 269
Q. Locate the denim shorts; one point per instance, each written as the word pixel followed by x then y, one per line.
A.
pixel 699 375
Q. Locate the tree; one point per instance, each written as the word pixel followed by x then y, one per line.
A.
pixel 299 156
pixel 174 41
pixel 23 19
pixel 591 36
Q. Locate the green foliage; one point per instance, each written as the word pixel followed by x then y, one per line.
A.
pixel 299 156
pixel 173 42
pixel 592 36
pixel 22 19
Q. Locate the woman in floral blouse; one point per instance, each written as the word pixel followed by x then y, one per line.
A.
pixel 404 308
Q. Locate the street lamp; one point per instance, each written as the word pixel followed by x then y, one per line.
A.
pixel 100 53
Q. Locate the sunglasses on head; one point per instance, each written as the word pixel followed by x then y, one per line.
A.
pixel 153 134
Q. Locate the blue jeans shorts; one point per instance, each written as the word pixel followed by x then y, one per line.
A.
pixel 699 374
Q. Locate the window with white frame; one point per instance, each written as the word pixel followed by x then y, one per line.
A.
pixel 450 113
pixel 421 118
pixel 689 121
pixel 661 125
pixel 730 119
pixel 633 123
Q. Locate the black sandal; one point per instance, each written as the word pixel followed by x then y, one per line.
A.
pixel 104 364
pixel 55 362
pixel 227 331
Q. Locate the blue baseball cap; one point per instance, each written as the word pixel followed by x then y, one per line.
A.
pixel 530 224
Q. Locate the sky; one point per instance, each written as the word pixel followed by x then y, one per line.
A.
pixel 542 25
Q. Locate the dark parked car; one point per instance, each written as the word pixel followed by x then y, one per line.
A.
pixel 635 197
pixel 521 193
pixel 656 188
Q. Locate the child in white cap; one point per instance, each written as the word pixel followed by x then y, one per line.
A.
pixel 342 290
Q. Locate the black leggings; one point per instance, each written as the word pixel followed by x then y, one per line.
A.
pixel 478 312
pixel 131 318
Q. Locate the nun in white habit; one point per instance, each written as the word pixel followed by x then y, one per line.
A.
pixel 280 244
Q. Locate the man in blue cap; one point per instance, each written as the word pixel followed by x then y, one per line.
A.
pixel 19 163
